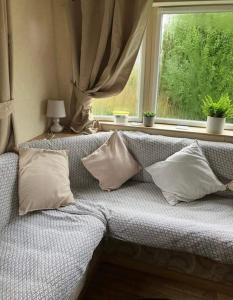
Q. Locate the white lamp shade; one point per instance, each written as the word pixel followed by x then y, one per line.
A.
pixel 56 109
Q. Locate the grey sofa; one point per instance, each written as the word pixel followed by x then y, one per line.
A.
pixel 45 255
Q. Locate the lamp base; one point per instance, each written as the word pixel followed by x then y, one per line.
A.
pixel 56 127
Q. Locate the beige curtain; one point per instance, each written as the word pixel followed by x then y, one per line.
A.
pixel 106 39
pixel 6 105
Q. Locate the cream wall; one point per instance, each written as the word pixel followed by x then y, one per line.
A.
pixel 61 9
pixel 34 64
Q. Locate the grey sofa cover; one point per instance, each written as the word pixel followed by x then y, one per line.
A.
pixel 138 211
pixel 8 188
pixel 44 255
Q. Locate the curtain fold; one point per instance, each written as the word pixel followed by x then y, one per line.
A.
pixel 6 103
pixel 106 35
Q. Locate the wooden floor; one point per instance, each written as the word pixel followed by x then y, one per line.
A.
pixel 111 282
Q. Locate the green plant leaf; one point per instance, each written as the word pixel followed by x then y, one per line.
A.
pixel 221 108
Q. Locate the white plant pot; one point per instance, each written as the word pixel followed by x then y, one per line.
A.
pixel 121 119
pixel 215 125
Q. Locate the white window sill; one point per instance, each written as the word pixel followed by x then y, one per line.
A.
pixel 172 130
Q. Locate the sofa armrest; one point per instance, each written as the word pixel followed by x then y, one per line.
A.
pixel 8 187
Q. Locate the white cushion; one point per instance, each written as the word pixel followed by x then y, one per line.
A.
pixel 185 176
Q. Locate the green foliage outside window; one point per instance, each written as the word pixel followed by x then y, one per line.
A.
pixel 197 60
pixel 221 108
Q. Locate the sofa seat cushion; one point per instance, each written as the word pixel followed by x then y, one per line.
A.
pixel 139 213
pixel 44 255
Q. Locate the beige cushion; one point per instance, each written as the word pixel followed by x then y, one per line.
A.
pixel 112 164
pixel 43 180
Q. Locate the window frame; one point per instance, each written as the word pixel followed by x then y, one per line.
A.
pixel 158 11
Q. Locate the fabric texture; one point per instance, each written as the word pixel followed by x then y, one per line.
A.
pixel 106 40
pixel 145 148
pixel 8 188
pixel 45 255
pixel 139 213
pixel 43 180
pixel 230 186
pixel 112 164
pixel 6 103
pixel 149 149
pixel 77 148
pixel 185 176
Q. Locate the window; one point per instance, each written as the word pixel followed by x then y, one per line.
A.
pixel 128 100
pixel 186 55
pixel 195 60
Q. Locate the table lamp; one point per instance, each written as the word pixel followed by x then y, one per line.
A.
pixel 55 111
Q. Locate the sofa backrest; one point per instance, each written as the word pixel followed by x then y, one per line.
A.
pixel 148 149
pixel 8 188
pixel 78 147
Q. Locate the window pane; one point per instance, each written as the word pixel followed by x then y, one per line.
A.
pixel 127 100
pixel 196 60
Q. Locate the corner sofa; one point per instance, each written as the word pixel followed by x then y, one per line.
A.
pixel 45 255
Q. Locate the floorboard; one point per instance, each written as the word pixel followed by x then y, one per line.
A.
pixel 111 282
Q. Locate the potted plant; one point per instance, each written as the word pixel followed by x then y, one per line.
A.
pixel 217 111
pixel 121 117
pixel 148 118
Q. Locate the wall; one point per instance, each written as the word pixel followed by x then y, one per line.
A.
pixel 34 64
pixel 61 9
